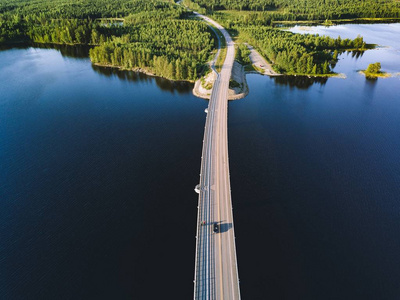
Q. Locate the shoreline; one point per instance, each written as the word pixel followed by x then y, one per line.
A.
pixel 139 70
pixel 334 22
pixel 264 68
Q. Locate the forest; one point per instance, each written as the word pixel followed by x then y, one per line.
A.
pixel 173 49
pixel 289 53
pixel 157 36
pixel 161 38
pixel 286 10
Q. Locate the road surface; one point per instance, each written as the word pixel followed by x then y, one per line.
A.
pixel 216 273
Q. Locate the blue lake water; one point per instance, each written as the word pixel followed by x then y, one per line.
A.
pixel 97 176
pixel 385 36
pixel 97 170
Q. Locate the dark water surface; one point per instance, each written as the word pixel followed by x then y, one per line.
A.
pixel 97 170
pixel 96 182
pixel 315 177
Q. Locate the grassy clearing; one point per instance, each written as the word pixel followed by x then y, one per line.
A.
pixel 206 84
pixel 222 53
pixel 244 15
pixel 220 60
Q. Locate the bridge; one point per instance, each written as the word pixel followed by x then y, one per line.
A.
pixel 216 273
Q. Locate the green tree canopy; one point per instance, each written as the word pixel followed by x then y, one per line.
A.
pixel 374 68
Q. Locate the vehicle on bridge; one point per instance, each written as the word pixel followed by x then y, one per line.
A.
pixel 216 228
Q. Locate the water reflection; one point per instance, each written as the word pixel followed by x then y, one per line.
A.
pixel 81 51
pixel 300 82
pixel 369 89
pixel 75 51
pixel 181 87
pixel 356 53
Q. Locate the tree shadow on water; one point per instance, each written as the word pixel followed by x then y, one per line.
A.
pixel 356 53
pixel 181 87
pixel 300 82
pixel 71 51
pixel 369 89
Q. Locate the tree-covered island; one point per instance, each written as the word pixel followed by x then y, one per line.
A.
pixel 374 71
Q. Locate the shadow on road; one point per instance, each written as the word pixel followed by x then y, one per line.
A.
pixel 224 227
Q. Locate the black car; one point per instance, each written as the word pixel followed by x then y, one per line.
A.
pixel 215 227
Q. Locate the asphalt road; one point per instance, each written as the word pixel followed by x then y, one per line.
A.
pixel 216 273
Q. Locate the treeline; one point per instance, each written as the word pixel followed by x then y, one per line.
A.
pixel 296 53
pixel 153 35
pixel 70 9
pixel 308 9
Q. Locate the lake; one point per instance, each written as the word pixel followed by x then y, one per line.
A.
pixel 98 169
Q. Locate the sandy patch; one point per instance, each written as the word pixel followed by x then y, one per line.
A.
pixel 201 85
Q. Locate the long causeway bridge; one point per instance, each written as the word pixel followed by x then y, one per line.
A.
pixel 216 272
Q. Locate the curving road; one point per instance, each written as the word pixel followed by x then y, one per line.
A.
pixel 216 273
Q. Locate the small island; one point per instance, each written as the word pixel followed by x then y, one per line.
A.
pixel 374 71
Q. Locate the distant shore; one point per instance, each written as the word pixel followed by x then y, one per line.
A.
pixel 338 21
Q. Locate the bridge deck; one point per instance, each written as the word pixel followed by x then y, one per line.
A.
pixel 216 274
